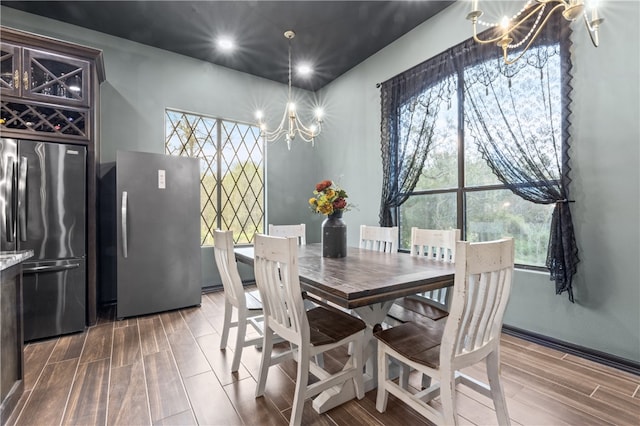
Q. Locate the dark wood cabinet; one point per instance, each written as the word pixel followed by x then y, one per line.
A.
pixel 45 76
pixel 50 92
pixel 9 69
pixel 11 341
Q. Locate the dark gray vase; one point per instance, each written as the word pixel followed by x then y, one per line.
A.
pixel 334 236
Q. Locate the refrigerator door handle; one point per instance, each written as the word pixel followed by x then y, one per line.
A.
pixel 22 198
pixel 9 173
pixel 124 223
pixel 55 268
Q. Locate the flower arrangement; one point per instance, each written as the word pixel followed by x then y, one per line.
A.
pixel 328 198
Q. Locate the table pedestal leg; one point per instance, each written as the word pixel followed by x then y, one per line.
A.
pixel 372 315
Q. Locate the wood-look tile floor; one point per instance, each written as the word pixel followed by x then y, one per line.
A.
pixel 168 369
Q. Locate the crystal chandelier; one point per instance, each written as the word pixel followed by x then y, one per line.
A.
pixel 535 13
pixel 290 126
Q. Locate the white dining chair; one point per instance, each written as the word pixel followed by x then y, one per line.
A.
pixel 439 245
pixel 310 332
pixel 483 278
pixel 247 304
pixel 379 238
pixel 298 231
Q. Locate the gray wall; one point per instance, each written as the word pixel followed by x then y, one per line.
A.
pixel 142 81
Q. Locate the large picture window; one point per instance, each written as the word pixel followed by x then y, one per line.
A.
pixel 231 171
pixel 469 142
pixel 456 187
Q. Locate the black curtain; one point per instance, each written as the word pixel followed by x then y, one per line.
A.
pixel 529 156
pixel 410 105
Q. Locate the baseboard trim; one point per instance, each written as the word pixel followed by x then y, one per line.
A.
pixel 590 354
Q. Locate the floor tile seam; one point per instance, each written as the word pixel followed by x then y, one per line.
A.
pixel 144 370
pixel 175 363
pixel 552 413
pixel 106 402
pixel 567 401
pixel 40 376
pixel 75 376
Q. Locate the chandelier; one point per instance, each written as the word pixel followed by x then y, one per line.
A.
pixel 535 13
pixel 290 126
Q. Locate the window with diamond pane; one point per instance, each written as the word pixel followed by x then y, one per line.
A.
pixel 231 171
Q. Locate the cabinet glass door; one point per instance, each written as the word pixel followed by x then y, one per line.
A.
pixel 55 78
pixel 9 72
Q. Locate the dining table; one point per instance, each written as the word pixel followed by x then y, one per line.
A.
pixel 366 282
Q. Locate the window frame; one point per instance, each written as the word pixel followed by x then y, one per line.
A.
pixel 462 189
pixel 219 139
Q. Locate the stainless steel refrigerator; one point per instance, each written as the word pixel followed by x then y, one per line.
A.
pixel 158 233
pixel 42 208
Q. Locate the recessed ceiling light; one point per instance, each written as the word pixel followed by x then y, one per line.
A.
pixel 226 44
pixel 304 70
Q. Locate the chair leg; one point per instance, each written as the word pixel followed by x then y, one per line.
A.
pixel 228 308
pixel 265 361
pixel 497 391
pixel 242 331
pixel 357 357
pixel 301 387
pixel 448 398
pixel 403 377
pixel 319 358
pixel 383 395
pixel 426 381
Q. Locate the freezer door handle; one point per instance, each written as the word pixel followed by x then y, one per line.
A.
pixel 54 268
pixel 9 173
pixel 22 198
pixel 123 213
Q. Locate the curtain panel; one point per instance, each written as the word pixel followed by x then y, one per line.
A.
pixel 531 158
pixel 410 105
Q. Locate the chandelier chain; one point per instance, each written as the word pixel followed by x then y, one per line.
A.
pixel 531 31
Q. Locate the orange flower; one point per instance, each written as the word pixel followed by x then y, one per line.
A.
pixel 323 185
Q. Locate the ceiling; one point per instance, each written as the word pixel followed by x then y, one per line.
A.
pixel 334 36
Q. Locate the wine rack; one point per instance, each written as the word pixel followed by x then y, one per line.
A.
pixel 32 118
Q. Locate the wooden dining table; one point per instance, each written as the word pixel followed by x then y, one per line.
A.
pixel 367 282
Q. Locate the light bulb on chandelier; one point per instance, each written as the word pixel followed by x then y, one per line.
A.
pixel 290 126
pixel 533 13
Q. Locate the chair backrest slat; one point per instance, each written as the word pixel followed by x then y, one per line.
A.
pixel 379 238
pixel 298 231
pixel 435 243
pixel 484 272
pixel 228 268
pixel 276 273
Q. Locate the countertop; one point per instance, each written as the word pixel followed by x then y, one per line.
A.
pixel 10 258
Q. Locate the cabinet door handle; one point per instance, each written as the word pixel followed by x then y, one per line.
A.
pixel 22 198
pixel 25 80
pixel 123 213
pixel 55 268
pixel 10 183
pixel 16 79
